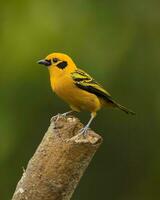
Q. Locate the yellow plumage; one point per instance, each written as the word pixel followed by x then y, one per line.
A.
pixel 76 87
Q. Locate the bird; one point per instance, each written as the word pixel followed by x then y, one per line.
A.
pixel 78 88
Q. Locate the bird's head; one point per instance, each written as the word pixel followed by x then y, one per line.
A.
pixel 58 63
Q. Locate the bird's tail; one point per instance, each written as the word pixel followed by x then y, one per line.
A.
pixel 124 109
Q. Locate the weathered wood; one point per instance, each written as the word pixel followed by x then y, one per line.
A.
pixel 59 162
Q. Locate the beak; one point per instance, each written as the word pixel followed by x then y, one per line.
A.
pixel 44 62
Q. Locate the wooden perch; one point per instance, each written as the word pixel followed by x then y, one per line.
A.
pixel 59 162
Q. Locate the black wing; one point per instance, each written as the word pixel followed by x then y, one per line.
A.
pixel 87 83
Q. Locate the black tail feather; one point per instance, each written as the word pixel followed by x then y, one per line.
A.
pixel 124 109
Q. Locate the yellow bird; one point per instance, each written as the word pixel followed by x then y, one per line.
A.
pixel 77 88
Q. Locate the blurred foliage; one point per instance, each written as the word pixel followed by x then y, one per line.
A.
pixel 117 42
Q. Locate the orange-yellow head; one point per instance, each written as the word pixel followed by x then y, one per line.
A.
pixel 58 64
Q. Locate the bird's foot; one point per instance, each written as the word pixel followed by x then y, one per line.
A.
pixel 67 113
pixel 84 131
pixel 56 117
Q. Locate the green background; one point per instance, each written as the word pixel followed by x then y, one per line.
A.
pixel 117 42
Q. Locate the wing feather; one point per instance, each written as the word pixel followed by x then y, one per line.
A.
pixel 87 83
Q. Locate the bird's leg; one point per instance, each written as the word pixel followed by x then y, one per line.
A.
pixel 84 129
pixel 66 113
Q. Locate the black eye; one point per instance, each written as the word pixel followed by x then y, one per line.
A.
pixel 55 60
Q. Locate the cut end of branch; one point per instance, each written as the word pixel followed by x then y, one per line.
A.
pixel 73 125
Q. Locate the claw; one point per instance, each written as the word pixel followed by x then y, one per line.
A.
pixel 84 130
pixel 64 114
pixel 56 117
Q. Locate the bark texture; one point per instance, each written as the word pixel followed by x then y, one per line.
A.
pixel 59 162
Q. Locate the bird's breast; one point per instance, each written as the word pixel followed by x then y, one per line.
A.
pixel 80 99
pixel 62 86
